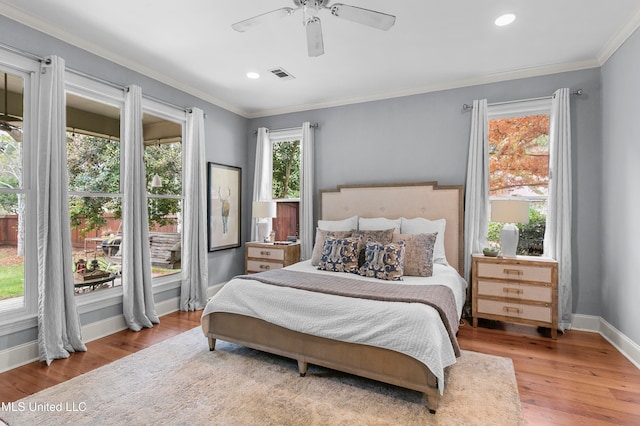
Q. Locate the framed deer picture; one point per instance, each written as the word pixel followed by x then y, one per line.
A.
pixel 224 185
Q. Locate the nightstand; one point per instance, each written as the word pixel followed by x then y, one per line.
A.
pixel 261 257
pixel 523 289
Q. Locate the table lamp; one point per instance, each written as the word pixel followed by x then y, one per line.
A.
pixel 263 210
pixel 509 212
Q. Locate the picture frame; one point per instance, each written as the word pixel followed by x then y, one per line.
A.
pixel 224 204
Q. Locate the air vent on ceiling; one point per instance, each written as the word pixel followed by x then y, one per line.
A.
pixel 282 74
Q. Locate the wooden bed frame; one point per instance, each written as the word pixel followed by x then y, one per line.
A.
pixel 409 200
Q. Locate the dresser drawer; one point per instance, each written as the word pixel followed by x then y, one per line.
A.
pixel 515 310
pixel 265 253
pixel 258 266
pixel 515 272
pixel 515 291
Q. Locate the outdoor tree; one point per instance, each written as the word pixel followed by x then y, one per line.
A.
pixel 519 154
pixel 94 167
pixel 286 169
pixel 519 163
pixel 11 178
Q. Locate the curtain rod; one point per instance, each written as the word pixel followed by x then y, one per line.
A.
pixel 91 77
pixel 314 125
pixel 466 107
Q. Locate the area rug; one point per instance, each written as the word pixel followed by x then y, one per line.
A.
pixel 179 381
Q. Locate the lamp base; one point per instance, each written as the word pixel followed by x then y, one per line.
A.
pixel 263 228
pixel 509 236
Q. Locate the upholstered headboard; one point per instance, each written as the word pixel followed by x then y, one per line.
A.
pixel 409 200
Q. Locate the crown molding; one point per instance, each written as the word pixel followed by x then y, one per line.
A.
pixel 53 31
pixel 618 39
pixel 487 79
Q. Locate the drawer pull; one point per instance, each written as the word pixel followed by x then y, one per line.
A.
pixel 512 290
pixel 265 253
pixel 265 267
pixel 512 271
pixel 512 309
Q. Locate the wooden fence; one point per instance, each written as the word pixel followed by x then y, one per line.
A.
pixel 9 230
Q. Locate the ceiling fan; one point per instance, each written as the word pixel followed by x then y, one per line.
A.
pixel 7 121
pixel 310 10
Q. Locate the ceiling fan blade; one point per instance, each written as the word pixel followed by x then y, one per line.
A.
pixel 371 18
pixel 315 45
pixel 13 131
pixel 257 20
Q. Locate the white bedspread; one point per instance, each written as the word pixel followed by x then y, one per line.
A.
pixel 414 329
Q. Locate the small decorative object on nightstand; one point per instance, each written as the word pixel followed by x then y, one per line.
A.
pixel 262 257
pixel 522 289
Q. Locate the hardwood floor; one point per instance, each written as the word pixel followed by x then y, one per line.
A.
pixel 578 379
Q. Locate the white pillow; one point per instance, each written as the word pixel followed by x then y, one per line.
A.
pixel 420 225
pixel 378 224
pixel 339 225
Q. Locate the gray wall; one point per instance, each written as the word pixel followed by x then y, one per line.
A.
pixel 620 292
pixel 425 137
pixel 225 133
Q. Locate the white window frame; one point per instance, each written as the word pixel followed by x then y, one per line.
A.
pixel 100 92
pixel 23 317
pixel 178 116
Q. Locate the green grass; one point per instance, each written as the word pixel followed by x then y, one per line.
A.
pixel 11 281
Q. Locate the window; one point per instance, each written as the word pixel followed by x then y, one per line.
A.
pixel 519 167
pixel 163 163
pixel 95 181
pixel 17 225
pixel 286 162
pixel 95 195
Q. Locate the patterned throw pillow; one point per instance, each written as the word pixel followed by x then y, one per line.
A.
pixel 340 255
pixel 384 236
pixel 321 235
pixel 384 261
pixel 418 254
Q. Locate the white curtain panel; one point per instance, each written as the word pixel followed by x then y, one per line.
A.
pixel 557 236
pixel 137 295
pixel 58 321
pixel 193 293
pixel 263 173
pixel 306 192
pixel 476 211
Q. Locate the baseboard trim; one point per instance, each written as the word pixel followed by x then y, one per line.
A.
pixel 28 352
pixel 627 347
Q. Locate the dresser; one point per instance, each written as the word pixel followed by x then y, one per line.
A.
pixel 523 289
pixel 261 257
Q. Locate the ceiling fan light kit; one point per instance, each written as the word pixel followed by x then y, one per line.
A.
pixel 311 21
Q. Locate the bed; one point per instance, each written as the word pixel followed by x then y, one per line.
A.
pixel 411 345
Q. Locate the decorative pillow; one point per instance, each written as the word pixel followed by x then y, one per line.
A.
pixel 340 255
pixel 378 223
pixel 384 261
pixel 380 236
pixel 339 225
pixel 418 253
pixel 321 236
pixel 420 225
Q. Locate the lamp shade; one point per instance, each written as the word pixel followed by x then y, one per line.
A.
pixel 510 211
pixel 263 209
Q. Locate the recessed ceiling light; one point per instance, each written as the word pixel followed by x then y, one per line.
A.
pixel 253 75
pixel 505 19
